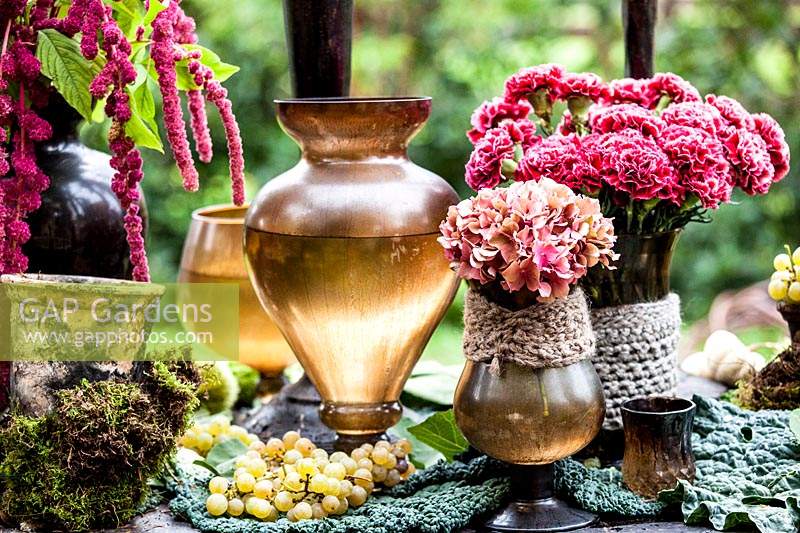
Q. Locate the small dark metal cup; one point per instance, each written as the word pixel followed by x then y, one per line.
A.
pixel 658 444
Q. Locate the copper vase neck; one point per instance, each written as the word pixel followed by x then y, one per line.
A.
pixel 351 129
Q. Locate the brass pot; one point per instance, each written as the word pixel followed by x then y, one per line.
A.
pixel 212 253
pixel 531 418
pixel 342 252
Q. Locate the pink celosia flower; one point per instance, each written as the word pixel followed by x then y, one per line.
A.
pixel 674 87
pixel 615 118
pixel 773 136
pixel 526 82
pixel 634 164
pixel 585 85
pixel 490 113
pixel 483 170
pixel 699 159
pixel 731 110
pixel 522 131
pixel 632 91
pixel 695 115
pixel 752 167
pixel 534 236
pixel 566 125
pixel 562 159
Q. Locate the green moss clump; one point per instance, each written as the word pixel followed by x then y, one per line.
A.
pixel 86 463
pixel 220 389
pixel 776 386
pixel 248 379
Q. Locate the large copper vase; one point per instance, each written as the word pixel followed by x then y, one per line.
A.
pixel 342 251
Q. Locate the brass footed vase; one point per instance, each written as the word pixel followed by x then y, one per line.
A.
pixel 342 252
pixel 530 417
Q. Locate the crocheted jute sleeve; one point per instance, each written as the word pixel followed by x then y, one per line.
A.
pixel 636 352
pixel 544 335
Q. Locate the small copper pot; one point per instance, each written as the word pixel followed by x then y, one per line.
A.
pixel 658 443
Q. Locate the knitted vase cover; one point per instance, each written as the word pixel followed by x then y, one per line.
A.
pixel 636 352
pixel 544 335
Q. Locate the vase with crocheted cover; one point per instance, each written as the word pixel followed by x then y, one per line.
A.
pixel 636 321
pixel 529 396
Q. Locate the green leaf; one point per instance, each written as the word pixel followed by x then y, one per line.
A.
pixel 440 432
pixel 142 126
pixel 156 7
pixel 207 466
pixel 422 455
pixel 70 72
pixel 129 15
pixel 222 71
pixel 794 423
pixel 433 382
pixel 222 456
pixel 144 134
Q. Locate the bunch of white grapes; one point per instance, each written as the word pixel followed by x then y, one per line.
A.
pixel 202 436
pixel 784 286
pixel 291 475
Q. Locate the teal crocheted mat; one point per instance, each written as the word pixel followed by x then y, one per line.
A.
pixel 747 473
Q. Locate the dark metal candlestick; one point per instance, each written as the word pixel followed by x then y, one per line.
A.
pixel 639 22
pixel 319 36
pixel 535 507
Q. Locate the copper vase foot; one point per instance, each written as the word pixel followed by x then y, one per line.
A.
pixel 535 507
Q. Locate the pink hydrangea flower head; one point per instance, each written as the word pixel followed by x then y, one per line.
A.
pixel 695 115
pixel 484 168
pixel 731 110
pixel 615 118
pixel 632 91
pixel 526 82
pixel 634 164
pixel 699 159
pixel 490 113
pixel 773 136
pixel 674 87
pixel 534 236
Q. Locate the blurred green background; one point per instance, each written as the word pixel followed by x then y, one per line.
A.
pixel 459 52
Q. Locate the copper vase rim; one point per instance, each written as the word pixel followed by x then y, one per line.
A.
pixel 210 214
pixel 638 406
pixel 354 100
